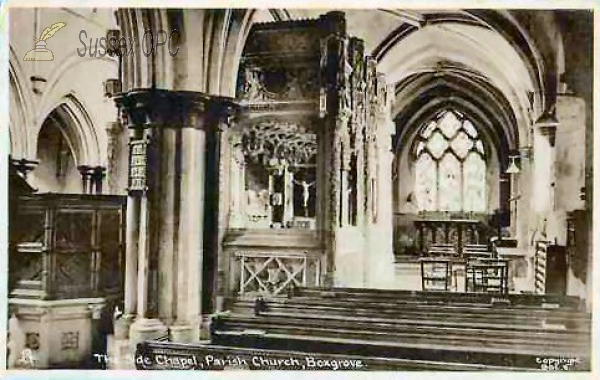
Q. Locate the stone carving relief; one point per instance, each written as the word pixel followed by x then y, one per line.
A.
pixel 291 83
pixel 32 340
pixel 69 340
pixel 273 174
pixel 270 273
pixel 275 140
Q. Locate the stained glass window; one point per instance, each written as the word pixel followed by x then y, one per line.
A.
pixel 450 166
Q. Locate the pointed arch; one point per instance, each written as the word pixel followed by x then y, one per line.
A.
pixel 78 127
pixel 21 111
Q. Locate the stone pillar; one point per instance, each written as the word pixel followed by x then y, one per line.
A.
pixel 146 326
pixel 543 183
pixel 343 254
pixel 131 257
pixel 113 133
pixel 189 266
pixel 86 182
pixel 137 110
pixel 355 108
pixel 543 171
pixel 237 180
pixel 380 251
pixel 571 145
pixel 166 186
pixel 131 250
pixel 231 179
pixel 525 186
pixel 513 202
pixel 168 206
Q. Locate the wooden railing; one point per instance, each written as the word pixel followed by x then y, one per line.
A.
pixel 67 246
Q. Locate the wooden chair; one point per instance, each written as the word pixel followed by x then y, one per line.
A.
pixel 435 273
pixel 472 256
pixel 490 276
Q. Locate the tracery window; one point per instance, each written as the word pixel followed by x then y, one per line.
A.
pixel 450 165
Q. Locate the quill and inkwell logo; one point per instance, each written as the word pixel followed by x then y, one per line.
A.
pixel 41 53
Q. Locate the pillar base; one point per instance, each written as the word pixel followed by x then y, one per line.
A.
pixel 119 354
pixel 122 326
pixel 205 327
pixel 220 304
pixel 184 332
pixel 51 334
pixel 144 329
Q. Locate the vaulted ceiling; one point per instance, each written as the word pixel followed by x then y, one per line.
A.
pixel 500 66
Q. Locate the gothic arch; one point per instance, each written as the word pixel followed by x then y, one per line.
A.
pixel 422 96
pixel 78 128
pixel 213 39
pixel 20 112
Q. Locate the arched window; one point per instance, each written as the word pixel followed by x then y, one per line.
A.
pixel 450 166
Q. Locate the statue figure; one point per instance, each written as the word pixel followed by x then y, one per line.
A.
pixel 254 88
pixel 293 88
pixel 263 198
pixel 305 193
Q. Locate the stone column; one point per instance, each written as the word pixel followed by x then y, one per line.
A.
pixel 543 182
pixel 381 252
pixel 523 204
pixel 236 180
pixel 231 188
pixel 543 156
pixel 167 199
pixel 203 128
pixel 113 133
pixel 513 202
pixel 86 183
pixel 572 144
pixel 168 204
pixel 131 250
pixel 131 256
pixel 138 111
pixel 146 326
pixel 189 264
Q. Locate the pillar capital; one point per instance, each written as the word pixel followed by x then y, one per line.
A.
pixel 174 109
pixel 546 124
pixel 23 166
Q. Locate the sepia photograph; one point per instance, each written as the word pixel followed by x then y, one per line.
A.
pixel 374 189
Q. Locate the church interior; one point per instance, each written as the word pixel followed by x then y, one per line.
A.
pixel 408 188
